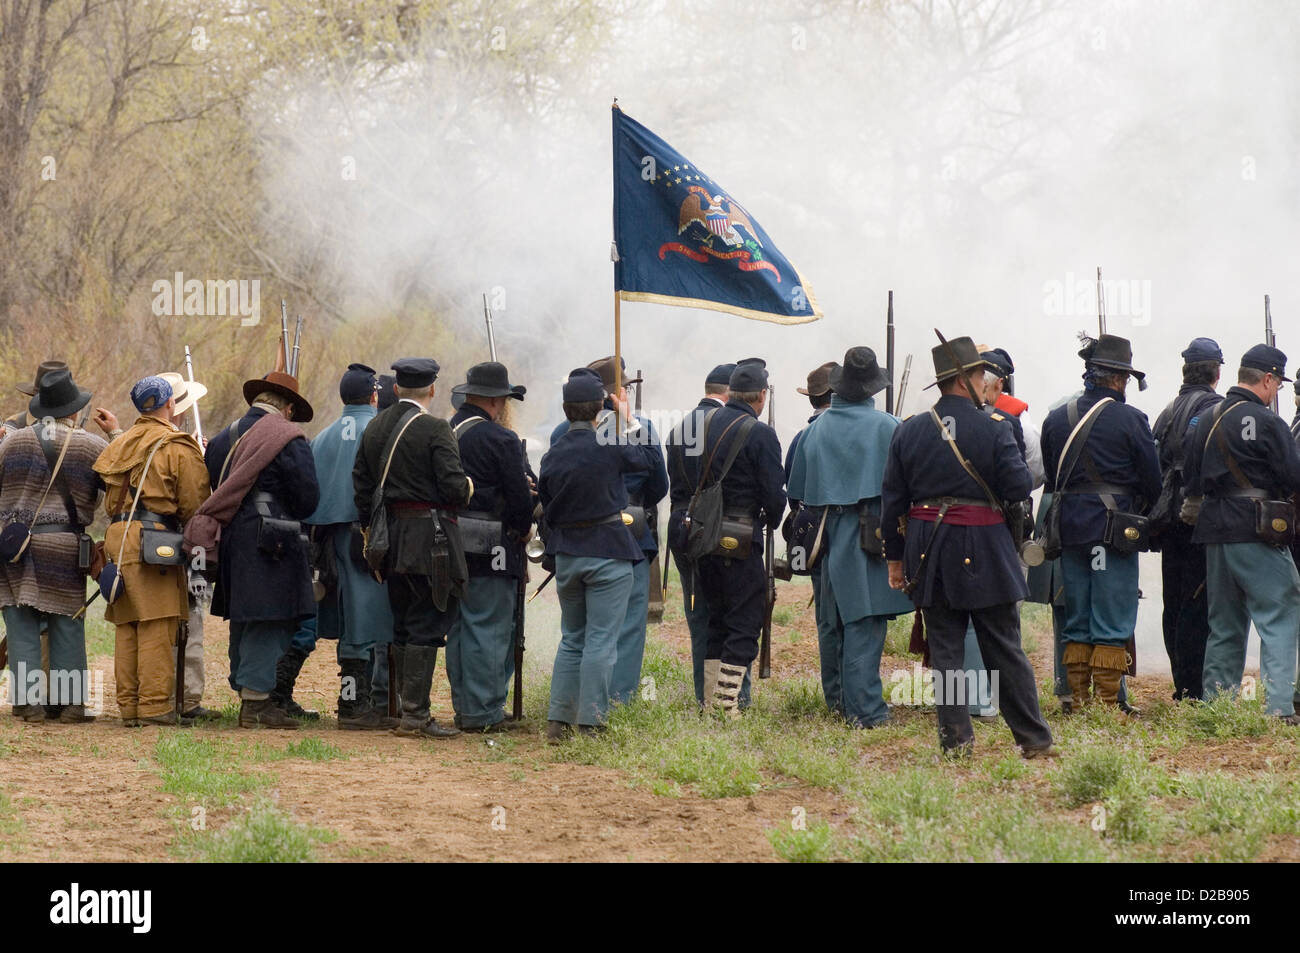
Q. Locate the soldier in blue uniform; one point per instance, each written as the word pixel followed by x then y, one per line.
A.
pixel 837 470
pixel 801 525
pixel 681 442
pixel 1241 460
pixel 584 496
pixel 644 491
pixel 1116 472
pixel 950 548
pixel 480 648
pixel 753 495
pixel 415 456
pixel 354 610
pixel 1186 620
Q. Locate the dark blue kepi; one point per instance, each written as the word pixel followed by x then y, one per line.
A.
pixel 682 240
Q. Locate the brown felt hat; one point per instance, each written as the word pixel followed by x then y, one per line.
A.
pixel 285 385
pixel 819 381
pixel 45 368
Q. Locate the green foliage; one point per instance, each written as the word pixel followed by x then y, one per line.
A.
pixel 810 846
pixel 1091 773
pixel 1229 717
pixel 309 749
pixel 204 769
pixel 261 835
pixel 898 634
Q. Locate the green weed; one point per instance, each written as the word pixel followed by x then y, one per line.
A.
pixel 261 835
pixel 810 846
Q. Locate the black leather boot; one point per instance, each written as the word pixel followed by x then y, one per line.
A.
pixel 286 674
pixel 417 665
pixel 357 714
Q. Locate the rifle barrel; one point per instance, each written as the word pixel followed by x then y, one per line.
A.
pixel 889 354
pixel 487 316
pixel 189 373
pixel 297 340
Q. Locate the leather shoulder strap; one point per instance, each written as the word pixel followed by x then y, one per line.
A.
pixel 1222 442
pixel 466 425
pixel 1078 437
pixel 966 465
pixel 54 474
pixel 405 422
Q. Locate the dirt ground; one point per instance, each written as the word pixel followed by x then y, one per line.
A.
pixel 92 793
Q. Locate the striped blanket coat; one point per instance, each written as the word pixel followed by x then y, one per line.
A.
pixel 47 577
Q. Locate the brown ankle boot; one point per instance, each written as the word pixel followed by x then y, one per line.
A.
pixel 1109 663
pixel 1078 671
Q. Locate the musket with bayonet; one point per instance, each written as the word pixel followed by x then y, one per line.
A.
pixel 1101 305
pixel 889 354
pixel 487 316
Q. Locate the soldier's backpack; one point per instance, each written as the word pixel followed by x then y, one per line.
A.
pixel 703 520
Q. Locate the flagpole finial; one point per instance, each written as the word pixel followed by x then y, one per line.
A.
pixel 615 104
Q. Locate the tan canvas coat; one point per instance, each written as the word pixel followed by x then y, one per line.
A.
pixel 176 484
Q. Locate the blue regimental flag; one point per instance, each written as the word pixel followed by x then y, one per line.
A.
pixel 681 239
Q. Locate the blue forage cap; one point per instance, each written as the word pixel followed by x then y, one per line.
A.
pixel 357 383
pixel 583 384
pixel 1203 349
pixel 720 374
pixel 1000 360
pixel 150 393
pixel 1261 357
pixel 385 384
pixel 415 371
pixel 749 376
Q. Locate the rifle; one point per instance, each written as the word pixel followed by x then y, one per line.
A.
pixel 902 387
pixel 182 639
pixel 189 373
pixel 1101 305
pixel 394 708
pixel 769 564
pixel 889 355
pixel 655 605
pixel 492 341
pixel 521 593
pixel 1269 337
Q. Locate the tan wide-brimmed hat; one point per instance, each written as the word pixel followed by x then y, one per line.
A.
pixel 187 393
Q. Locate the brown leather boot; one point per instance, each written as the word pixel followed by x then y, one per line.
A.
pixel 1109 663
pixel 1078 671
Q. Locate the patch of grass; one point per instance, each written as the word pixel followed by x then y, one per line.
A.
pixel 898 634
pixel 11 825
pixel 783 615
pixel 1093 772
pixel 101 635
pixel 810 846
pixel 309 749
pixel 204 769
pixel 261 835
pixel 1228 717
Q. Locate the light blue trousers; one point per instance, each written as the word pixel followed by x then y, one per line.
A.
pixel 631 637
pixel 1101 594
pixel 1252 582
pixel 68 668
pixel 593 595
pixel 480 651
pixel 858 646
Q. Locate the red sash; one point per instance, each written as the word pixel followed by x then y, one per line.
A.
pixel 960 514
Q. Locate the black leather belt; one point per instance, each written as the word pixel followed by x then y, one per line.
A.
pixel 1239 492
pixel 584 524
pixel 144 516
pixel 938 501
pixel 54 528
pixel 1099 488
